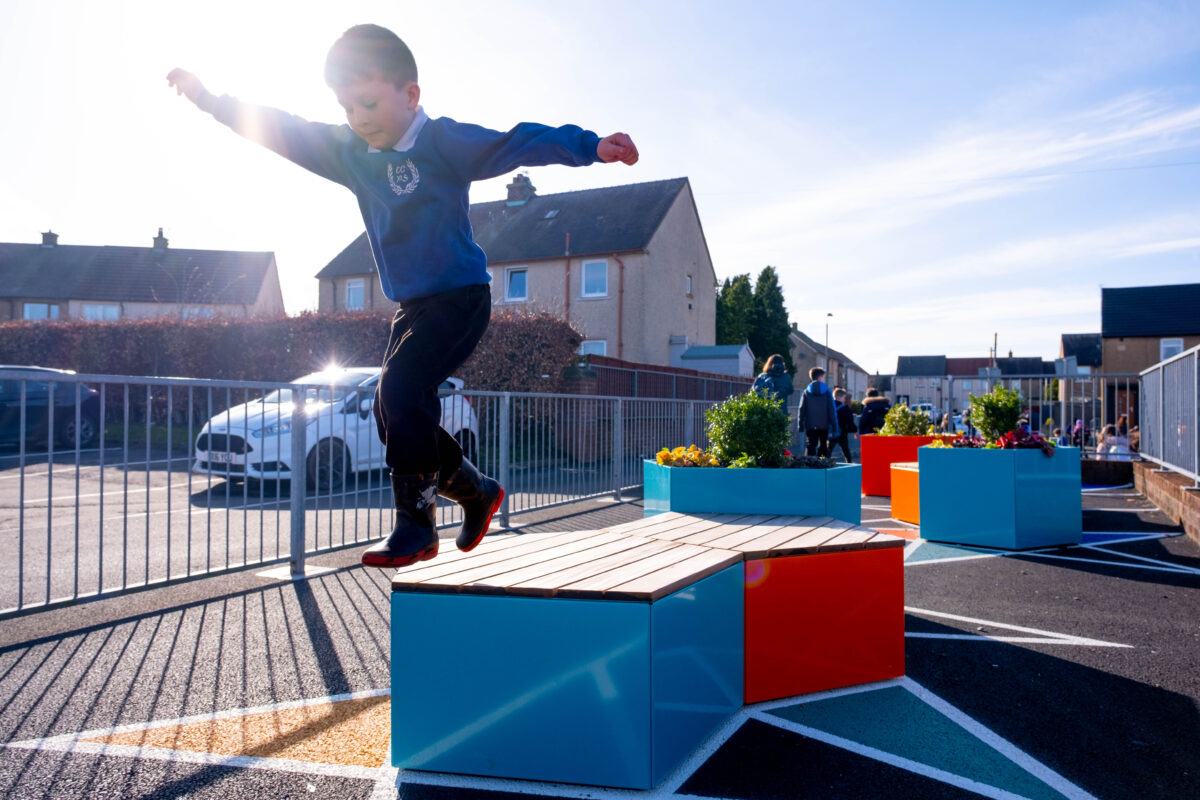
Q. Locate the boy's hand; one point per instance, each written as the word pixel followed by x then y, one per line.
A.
pixel 185 83
pixel 617 147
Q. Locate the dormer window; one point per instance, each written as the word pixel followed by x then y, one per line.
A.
pixel 551 214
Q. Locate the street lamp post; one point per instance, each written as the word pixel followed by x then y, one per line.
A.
pixel 827 316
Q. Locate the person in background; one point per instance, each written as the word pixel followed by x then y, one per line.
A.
pixel 875 408
pixel 774 381
pixel 845 420
pixel 1123 425
pixel 947 425
pixel 1061 439
pixel 817 414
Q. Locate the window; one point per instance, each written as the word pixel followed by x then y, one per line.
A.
pixel 356 290
pixel 688 286
pixel 100 312
pixel 196 312
pixel 966 385
pixel 1168 348
pixel 37 311
pixel 516 285
pixel 593 347
pixel 595 279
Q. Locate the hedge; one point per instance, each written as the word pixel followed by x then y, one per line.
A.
pixel 514 354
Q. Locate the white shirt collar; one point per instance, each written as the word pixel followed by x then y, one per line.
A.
pixel 410 136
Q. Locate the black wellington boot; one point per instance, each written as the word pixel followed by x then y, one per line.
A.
pixel 414 538
pixel 479 496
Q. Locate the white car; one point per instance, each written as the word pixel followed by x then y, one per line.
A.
pixel 253 441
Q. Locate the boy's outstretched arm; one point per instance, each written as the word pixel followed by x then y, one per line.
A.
pixel 616 147
pixel 185 83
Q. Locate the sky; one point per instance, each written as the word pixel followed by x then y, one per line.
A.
pixel 932 174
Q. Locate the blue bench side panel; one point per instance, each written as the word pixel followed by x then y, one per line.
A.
pixel 517 687
pixel 697 637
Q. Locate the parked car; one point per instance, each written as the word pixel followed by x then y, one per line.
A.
pixel 254 440
pixel 37 408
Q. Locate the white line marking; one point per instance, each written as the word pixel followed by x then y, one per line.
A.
pixel 771 705
pixel 387 780
pixel 952 558
pixel 1102 549
pixel 1105 491
pixel 983 637
pixel 680 774
pixel 471 782
pixel 213 759
pixel 1175 569
pixel 912 547
pixel 888 758
pixel 1002 746
pixel 1052 636
pixel 231 713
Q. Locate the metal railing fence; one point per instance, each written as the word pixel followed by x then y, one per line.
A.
pixel 1170 413
pixel 1051 401
pixel 112 483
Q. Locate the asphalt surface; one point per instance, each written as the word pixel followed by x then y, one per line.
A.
pixel 1073 672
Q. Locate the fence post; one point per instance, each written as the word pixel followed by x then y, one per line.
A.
pixel 1196 415
pixel 299 487
pixel 505 425
pixel 689 420
pixel 618 427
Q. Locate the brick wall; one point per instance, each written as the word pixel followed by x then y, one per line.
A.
pixel 1172 493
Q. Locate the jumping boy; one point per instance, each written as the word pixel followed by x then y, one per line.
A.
pixel 411 175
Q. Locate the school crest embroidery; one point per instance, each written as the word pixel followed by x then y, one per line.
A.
pixel 403 178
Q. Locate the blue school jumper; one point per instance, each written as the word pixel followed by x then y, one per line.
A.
pixel 414 202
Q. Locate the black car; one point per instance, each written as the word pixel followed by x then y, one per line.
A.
pixel 37 404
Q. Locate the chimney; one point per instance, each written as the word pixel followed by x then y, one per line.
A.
pixel 520 190
pixel 160 241
pixel 49 239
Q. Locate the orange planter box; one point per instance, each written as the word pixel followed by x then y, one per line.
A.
pixel 823 621
pixel 880 452
pixel 906 492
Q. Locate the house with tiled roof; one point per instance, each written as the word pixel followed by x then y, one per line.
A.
pixel 840 369
pixel 627 265
pixel 1142 325
pixel 52 281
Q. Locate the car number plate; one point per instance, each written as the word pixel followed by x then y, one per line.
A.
pixel 221 458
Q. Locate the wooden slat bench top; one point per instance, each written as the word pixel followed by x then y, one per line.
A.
pixel 607 564
pixel 910 465
pixel 639 561
pixel 762 536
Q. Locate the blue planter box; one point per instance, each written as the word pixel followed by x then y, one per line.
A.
pixel 1011 499
pixel 833 492
pixel 604 692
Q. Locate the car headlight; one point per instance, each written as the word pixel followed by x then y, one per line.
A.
pixel 272 430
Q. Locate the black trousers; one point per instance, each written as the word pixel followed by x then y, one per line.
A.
pixel 842 441
pixel 431 338
pixel 818 444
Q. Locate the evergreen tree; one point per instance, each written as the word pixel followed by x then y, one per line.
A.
pixel 735 311
pixel 769 333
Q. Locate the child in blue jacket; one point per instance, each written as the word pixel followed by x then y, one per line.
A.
pixel 817 414
pixel 411 174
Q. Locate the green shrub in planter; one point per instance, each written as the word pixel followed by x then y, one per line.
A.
pixel 903 421
pixel 748 430
pixel 996 413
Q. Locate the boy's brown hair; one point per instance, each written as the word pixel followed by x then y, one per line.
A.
pixel 815 373
pixel 369 51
